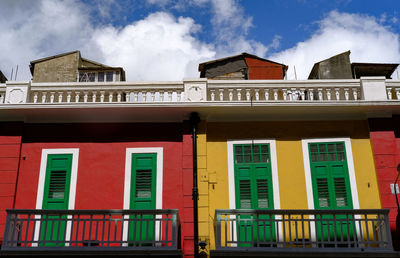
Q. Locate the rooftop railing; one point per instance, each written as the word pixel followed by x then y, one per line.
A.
pixel 202 90
pixel 333 230
pixel 40 230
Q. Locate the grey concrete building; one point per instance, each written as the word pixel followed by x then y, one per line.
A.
pixel 71 67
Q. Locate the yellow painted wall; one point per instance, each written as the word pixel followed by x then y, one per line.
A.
pixel 213 163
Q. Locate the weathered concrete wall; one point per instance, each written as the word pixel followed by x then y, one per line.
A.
pixel 336 67
pixel 60 69
pixel 225 67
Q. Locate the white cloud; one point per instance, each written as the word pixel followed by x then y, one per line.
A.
pixel 30 31
pixel 368 40
pixel 159 47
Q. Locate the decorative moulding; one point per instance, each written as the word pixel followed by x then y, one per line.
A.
pixel 17 92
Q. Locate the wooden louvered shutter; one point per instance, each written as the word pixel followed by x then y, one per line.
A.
pixel 331 186
pixel 253 181
pixel 143 181
pixel 57 181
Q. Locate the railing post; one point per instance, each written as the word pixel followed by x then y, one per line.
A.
pixel 373 88
pixel 17 92
pixel 195 90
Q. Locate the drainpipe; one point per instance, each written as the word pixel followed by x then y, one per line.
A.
pixel 397 202
pixel 194 120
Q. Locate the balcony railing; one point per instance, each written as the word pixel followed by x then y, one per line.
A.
pixel 91 230
pixel 202 90
pixel 327 230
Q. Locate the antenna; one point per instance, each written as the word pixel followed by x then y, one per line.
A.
pixel 16 72
pixel 12 71
pixel 295 74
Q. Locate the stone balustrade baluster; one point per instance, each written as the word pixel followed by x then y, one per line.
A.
pixel 110 96
pixel 389 93
pixel 230 94
pixel 35 97
pixel 337 94
pixel 85 96
pixel 161 95
pixel 328 94
pixel 257 94
pixel 69 96
pixel 169 95
pixel 102 95
pixel 52 95
pixel 239 94
pixel 311 94
pixel 355 94
pixel 284 94
pixel 221 94
pixel 320 94
pixel 119 96
pixel 303 94
pixel 346 94
pixel 77 96
pixel 248 95
pixel 60 96
pixel 276 95
pixel 94 96
pixel 212 94
pixel 44 95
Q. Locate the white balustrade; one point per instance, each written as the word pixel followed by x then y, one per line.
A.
pixel 216 91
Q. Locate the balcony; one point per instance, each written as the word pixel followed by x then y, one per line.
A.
pixel 218 100
pixel 304 233
pixel 92 232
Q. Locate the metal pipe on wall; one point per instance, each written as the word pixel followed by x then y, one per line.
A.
pixel 194 120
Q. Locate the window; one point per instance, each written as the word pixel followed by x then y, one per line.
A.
pixel 87 76
pixel 101 77
pixel 108 76
pixel 57 187
pixel 330 177
pixel 253 182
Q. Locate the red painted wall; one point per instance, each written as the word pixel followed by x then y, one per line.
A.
pixel 101 166
pixel 263 70
pixel 386 147
pixel 10 144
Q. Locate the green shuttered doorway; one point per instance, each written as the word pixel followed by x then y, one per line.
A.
pixel 331 187
pixel 56 196
pixel 253 190
pixel 143 197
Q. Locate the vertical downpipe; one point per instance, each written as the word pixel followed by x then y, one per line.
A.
pixel 194 120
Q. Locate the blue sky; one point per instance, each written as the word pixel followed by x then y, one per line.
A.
pixel 165 39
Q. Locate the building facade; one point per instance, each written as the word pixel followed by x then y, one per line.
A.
pixel 283 167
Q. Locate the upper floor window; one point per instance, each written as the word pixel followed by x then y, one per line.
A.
pixel 103 76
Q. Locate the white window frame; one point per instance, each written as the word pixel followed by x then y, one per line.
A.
pixel 127 184
pixel 41 183
pixel 308 178
pixel 96 75
pixel 274 175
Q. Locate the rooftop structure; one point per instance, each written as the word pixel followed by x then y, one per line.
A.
pixel 71 67
pixel 242 67
pixel 340 67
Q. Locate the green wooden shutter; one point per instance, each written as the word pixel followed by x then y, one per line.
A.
pixel 143 197
pixel 330 177
pixel 253 180
pixel 254 190
pixel 143 181
pixel 56 197
pixel 331 189
pixel 57 181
